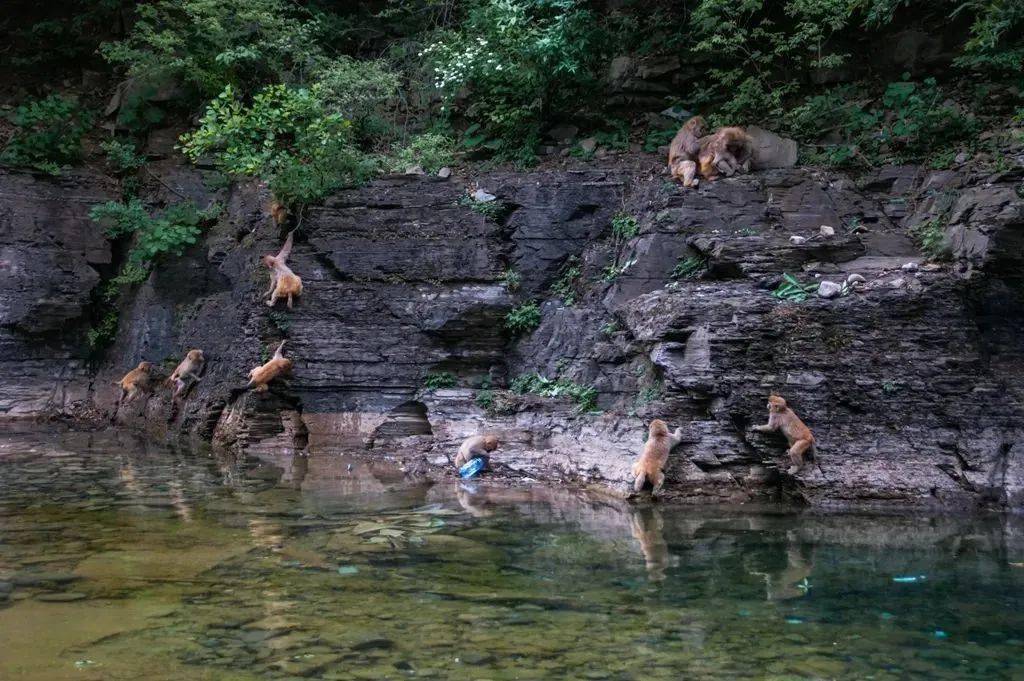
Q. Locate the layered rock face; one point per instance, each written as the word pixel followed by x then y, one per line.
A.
pixel 910 378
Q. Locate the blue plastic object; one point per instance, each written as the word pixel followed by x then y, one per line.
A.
pixel 472 467
pixel 909 579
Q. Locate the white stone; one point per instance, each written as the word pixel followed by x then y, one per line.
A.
pixel 855 279
pixel 414 170
pixel 830 289
pixel 797 240
pixel 910 267
pixel 827 231
pixel 588 145
pixel 444 173
pixel 481 196
pixel 897 283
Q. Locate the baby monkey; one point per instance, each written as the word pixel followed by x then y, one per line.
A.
pixel 136 381
pixel 476 446
pixel 261 376
pixel 798 435
pixel 283 282
pixel 649 467
pixel 187 373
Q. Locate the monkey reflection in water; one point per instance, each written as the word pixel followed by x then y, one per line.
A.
pixel 648 529
pixel 792 580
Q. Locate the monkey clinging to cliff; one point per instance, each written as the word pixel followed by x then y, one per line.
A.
pixel 648 468
pixel 799 436
pixel 283 282
pixel 187 373
pixel 136 381
pixel 261 376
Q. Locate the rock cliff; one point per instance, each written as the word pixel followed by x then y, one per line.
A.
pixel 911 378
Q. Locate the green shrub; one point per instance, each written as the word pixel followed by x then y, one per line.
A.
pixel 931 237
pixel 47 134
pixel 519 59
pixel 996 44
pixel 793 290
pixel 485 399
pixel 104 333
pixel 211 44
pixel 122 156
pixel 624 227
pixel 492 210
pixel 523 319
pixel 689 267
pixel 584 396
pixel 430 151
pixel 285 137
pixel 444 379
pixel 512 280
pixel 156 236
pixel 567 285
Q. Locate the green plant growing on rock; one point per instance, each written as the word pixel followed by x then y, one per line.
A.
pixel 158 235
pixel 485 399
pixel 931 237
pixel 492 210
pixel 436 381
pixel 47 134
pixel 524 318
pixel 122 156
pixel 284 136
pixel 279 320
pixel 584 396
pixel 104 333
pixel 690 267
pixel 567 285
pixel 429 151
pixel 610 328
pixel 793 290
pixel 613 271
pixel 512 280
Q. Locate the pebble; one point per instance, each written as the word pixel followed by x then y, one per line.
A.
pixel 797 240
pixel 444 173
pixel 414 170
pixel 481 196
pixel 897 283
pixel 830 289
pixel 476 658
pixel 827 231
pixel 855 279
pixel 374 644
pixel 910 267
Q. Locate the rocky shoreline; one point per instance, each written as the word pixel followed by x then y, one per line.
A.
pixel 910 377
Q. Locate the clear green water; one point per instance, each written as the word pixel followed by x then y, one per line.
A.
pixel 120 560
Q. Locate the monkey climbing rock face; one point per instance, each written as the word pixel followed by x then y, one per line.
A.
pixel 284 284
pixel 649 467
pixel 798 435
pixel 135 382
pixel 261 376
pixel 187 373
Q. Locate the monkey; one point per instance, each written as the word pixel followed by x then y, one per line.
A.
pixel 261 376
pixel 648 468
pixel 187 373
pixel 283 282
pixel 278 211
pixel 726 152
pixel 684 151
pixel 476 446
pixel 798 435
pixel 134 382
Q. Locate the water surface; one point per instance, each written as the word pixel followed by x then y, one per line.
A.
pixel 125 560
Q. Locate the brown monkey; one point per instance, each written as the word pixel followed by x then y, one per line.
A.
pixel 283 282
pixel 473 447
pixel 136 381
pixel 648 468
pixel 684 151
pixel 798 435
pixel 278 211
pixel 262 375
pixel 726 152
pixel 187 373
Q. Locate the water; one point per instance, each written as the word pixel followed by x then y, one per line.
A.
pixel 121 560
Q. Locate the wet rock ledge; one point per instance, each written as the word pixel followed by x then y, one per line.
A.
pixel 911 378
